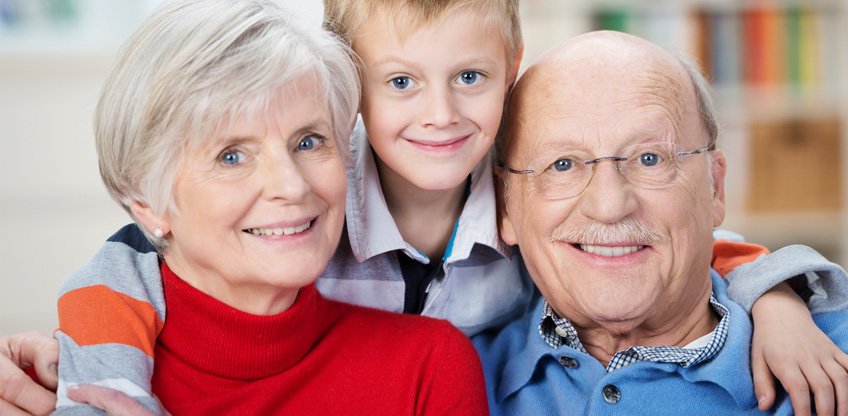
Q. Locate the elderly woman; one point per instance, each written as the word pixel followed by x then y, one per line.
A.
pixel 222 132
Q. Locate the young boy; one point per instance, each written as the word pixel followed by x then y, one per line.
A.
pixel 421 215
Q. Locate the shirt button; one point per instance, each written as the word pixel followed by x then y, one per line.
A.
pixel 561 331
pixel 568 362
pixel 611 394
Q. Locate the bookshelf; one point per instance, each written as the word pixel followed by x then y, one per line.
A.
pixel 779 70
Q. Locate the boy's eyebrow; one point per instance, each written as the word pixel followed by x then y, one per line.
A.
pixel 481 59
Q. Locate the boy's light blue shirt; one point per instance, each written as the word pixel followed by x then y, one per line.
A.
pixel 524 375
pixel 482 287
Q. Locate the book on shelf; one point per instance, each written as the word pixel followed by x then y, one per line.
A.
pixel 757 46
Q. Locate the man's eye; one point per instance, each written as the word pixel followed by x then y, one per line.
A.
pixel 469 77
pixel 232 157
pixel 401 83
pixel 649 159
pixel 309 143
pixel 562 165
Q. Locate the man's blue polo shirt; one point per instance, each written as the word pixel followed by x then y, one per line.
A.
pixel 526 376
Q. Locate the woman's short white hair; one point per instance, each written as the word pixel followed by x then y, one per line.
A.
pixel 192 66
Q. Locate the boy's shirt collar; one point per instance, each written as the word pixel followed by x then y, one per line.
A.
pixel 373 231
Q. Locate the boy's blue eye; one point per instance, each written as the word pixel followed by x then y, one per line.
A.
pixel 469 77
pixel 401 83
pixel 232 157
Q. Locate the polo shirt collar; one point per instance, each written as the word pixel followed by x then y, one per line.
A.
pixel 730 368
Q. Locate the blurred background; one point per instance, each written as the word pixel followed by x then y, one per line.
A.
pixel 779 69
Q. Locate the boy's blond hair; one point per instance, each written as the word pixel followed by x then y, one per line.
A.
pixel 344 17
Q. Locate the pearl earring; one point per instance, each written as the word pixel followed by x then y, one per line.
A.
pixel 158 232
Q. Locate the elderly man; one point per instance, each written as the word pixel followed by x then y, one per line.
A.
pixel 612 185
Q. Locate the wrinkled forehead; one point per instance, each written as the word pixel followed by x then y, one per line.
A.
pixel 599 109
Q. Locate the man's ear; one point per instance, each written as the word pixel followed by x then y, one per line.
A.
pixel 148 219
pixel 505 228
pixel 718 171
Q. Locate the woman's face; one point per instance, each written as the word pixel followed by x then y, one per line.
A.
pixel 259 207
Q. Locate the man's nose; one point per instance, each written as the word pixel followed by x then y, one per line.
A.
pixel 608 198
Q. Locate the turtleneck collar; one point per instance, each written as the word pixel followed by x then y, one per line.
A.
pixel 220 340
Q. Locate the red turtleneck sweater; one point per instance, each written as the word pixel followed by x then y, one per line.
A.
pixel 320 357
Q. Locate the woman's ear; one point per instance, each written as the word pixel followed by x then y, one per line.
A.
pixel 152 222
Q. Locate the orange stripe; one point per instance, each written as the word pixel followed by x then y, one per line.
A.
pixel 96 315
pixel 728 255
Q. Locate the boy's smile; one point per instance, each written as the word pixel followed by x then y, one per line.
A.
pixel 432 96
pixel 444 146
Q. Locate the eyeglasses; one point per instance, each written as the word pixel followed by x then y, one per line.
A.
pixel 566 174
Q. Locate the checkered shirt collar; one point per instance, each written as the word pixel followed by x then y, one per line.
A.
pixel 558 331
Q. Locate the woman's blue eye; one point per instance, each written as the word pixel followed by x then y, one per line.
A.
pixel 401 83
pixel 563 165
pixel 469 77
pixel 232 157
pixel 308 143
pixel 649 159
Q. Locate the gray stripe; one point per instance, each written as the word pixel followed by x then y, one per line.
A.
pixel 124 270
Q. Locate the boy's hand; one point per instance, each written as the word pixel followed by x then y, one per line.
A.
pixel 19 394
pixel 113 402
pixel 787 345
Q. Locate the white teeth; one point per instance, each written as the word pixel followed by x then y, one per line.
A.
pixel 280 231
pixel 610 251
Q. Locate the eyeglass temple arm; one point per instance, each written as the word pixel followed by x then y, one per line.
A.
pixel 708 148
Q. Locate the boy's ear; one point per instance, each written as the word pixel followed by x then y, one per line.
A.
pixel 513 70
pixel 148 218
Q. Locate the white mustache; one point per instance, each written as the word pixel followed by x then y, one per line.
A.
pixel 628 230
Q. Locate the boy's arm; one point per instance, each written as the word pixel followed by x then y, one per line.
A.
pixel 110 313
pixel 28 374
pixel 786 341
pixel 824 281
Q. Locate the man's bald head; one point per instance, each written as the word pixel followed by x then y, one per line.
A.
pixel 601 58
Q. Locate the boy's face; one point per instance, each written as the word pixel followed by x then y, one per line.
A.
pixel 432 97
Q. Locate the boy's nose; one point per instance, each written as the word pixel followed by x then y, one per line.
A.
pixel 440 108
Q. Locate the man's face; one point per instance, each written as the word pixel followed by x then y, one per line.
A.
pixel 614 255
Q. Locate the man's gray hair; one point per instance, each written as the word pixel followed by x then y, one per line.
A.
pixel 704 97
pixel 195 65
